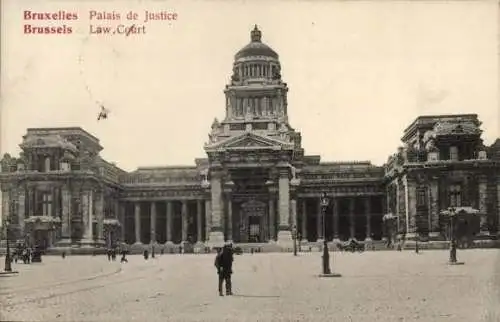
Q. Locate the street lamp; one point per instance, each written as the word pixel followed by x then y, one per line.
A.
pixel 326 256
pixel 327 272
pixel 294 235
pixel 8 260
pixel 453 244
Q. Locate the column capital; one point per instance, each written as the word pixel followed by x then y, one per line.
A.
pixel 216 170
pixel 283 170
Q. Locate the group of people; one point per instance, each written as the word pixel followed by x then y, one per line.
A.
pixel 26 254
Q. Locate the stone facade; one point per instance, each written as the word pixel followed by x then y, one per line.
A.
pixel 443 163
pixel 256 185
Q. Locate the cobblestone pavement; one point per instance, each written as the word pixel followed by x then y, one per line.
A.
pixel 375 286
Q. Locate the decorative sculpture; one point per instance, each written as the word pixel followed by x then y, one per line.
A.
pixel 293 170
pixel 215 131
pixel 6 162
pixel 235 77
pixel 276 74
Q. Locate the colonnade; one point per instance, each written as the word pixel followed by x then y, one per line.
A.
pixel 169 222
pixel 271 225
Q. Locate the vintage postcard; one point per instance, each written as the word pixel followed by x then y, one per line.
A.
pixel 249 160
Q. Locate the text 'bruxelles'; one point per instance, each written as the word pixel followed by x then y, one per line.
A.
pixel 101 22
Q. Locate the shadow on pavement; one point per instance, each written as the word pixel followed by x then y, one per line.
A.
pixel 256 296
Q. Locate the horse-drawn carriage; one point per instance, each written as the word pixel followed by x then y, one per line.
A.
pixel 351 246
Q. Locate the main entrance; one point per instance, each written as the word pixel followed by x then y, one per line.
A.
pixel 252 221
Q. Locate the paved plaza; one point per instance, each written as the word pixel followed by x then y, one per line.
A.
pixel 375 286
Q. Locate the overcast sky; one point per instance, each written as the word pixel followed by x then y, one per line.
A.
pixel 358 73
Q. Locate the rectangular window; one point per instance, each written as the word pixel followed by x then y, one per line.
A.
pixel 453 153
pixel 421 197
pixel 46 204
pixel 455 196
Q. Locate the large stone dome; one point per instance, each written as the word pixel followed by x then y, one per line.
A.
pixel 256 47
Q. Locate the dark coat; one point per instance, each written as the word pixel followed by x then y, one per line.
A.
pixel 224 261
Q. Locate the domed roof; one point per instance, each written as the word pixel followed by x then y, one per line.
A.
pixel 256 47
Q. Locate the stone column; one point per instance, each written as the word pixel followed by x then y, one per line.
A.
pixel 293 212
pixel 5 205
pixel 216 233
pixel 397 212
pixel 86 217
pixel 335 206
pixel 304 220
pixel 483 190
pixel 434 209
pixel 184 216
pixel 319 222
pixel 284 233
pixel 199 236
pixel 121 218
pixel 272 219
pixel 66 216
pixel 91 215
pixel 264 224
pixel 21 209
pixel 31 202
pixel 53 203
pixel 368 214
pixel 137 221
pixel 229 217
pixel 412 208
pixel 153 223
pixel 100 216
pixel 498 206
pixel 208 218
pixel 169 222
pixel 352 222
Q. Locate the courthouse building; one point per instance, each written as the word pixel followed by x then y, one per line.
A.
pixel 256 184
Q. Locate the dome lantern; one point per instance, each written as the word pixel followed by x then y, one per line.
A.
pixel 256 34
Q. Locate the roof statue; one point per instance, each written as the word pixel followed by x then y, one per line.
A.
pixel 215 131
pixel 215 124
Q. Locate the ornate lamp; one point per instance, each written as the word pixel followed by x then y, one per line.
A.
pixel 8 260
pixel 327 272
pixel 326 256
pixel 453 244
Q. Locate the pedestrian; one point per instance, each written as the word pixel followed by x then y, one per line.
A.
pixel 109 254
pixel 124 259
pixel 224 265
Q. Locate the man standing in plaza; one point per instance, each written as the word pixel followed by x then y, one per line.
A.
pixel 224 265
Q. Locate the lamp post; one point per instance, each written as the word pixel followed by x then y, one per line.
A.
pixel 294 235
pixel 327 272
pixel 453 244
pixel 8 260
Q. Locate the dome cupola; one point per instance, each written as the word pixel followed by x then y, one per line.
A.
pixel 256 47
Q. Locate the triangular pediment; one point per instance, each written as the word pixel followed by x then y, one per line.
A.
pixel 249 141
